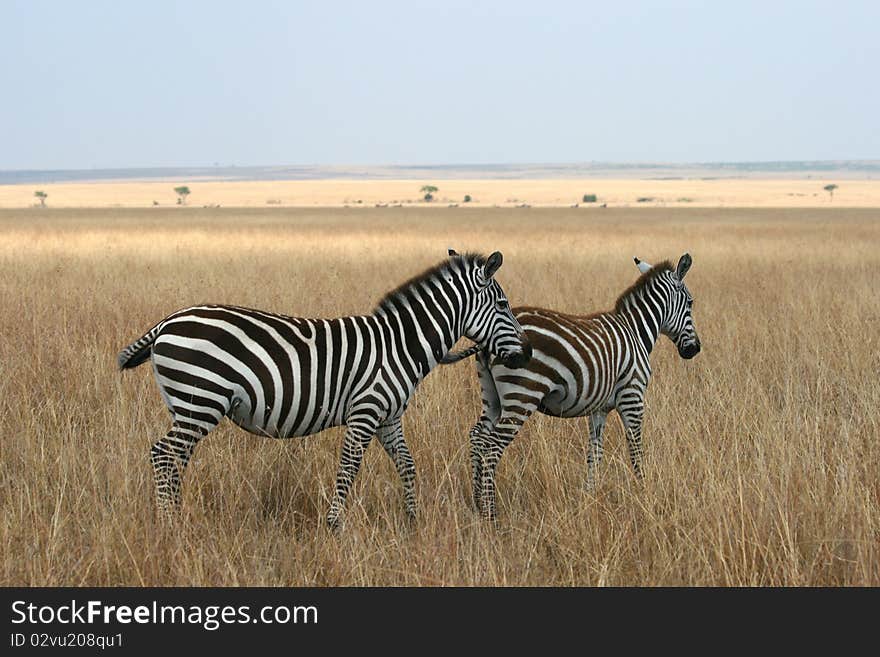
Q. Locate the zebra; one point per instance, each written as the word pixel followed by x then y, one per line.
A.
pixel 281 376
pixel 580 366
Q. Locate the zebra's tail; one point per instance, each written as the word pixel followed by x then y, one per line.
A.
pixel 455 356
pixel 138 351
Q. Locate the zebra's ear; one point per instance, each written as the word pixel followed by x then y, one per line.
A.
pixel 452 252
pixel 683 265
pixel 493 263
pixel 643 266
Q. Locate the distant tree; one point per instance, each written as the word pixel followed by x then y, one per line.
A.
pixel 830 189
pixel 589 198
pixel 428 191
pixel 467 198
pixel 40 194
pixel 182 192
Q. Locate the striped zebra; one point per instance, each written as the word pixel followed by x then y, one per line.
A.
pixel 281 376
pixel 581 366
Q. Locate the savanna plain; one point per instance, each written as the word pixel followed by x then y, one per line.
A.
pixel 761 454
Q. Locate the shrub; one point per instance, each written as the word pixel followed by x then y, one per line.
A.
pixel 182 192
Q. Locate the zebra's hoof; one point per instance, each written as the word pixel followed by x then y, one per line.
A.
pixel 167 516
pixel 489 515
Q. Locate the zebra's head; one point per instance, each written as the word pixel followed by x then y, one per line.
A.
pixel 489 321
pixel 677 322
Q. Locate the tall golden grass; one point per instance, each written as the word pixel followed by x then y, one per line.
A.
pixel 762 454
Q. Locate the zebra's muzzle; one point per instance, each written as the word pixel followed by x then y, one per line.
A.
pixel 690 350
pixel 517 359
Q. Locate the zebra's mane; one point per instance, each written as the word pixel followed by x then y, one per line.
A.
pixel 643 281
pixel 472 259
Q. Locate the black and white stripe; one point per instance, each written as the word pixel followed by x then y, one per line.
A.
pixel 581 366
pixel 282 376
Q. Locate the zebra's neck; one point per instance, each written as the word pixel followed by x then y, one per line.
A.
pixel 423 325
pixel 643 310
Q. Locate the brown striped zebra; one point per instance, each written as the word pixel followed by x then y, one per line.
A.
pixel 581 365
pixel 280 376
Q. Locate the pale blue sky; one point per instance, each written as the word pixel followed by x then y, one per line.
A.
pixel 158 83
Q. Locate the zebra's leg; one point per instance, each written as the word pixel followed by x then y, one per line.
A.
pixel 632 423
pixel 594 452
pixel 482 430
pixel 479 439
pixel 391 437
pixel 169 457
pixel 358 435
pixel 505 431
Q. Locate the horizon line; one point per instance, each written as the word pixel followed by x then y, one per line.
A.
pixel 842 162
pixel 501 171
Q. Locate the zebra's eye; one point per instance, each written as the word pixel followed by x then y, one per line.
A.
pixel 502 304
pixel 690 303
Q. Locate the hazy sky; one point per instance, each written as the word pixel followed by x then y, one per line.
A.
pixel 153 83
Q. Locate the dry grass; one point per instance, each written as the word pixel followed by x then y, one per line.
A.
pixel 732 192
pixel 761 454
